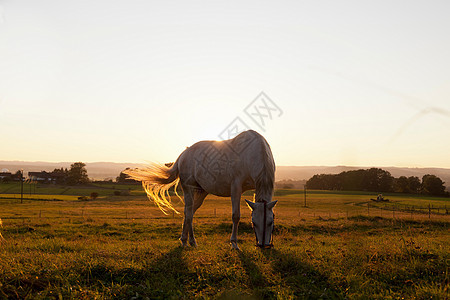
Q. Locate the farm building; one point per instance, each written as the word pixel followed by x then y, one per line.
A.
pixel 5 176
pixel 44 177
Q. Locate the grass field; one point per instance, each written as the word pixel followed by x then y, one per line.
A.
pixel 124 247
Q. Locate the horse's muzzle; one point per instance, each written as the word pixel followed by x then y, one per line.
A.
pixel 266 246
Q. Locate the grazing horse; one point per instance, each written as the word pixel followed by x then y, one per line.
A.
pixel 222 168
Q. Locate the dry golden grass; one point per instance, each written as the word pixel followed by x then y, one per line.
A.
pixel 124 247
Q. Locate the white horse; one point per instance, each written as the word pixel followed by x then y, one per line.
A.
pixel 222 168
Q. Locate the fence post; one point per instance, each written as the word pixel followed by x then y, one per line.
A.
pixel 429 211
pixel 304 191
pixel 21 186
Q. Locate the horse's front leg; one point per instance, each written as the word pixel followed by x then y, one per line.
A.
pixel 188 230
pixel 236 191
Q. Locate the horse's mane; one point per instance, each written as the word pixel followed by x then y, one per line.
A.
pixel 264 181
pixel 266 178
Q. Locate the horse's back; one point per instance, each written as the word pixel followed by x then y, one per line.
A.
pixel 254 150
pixel 216 165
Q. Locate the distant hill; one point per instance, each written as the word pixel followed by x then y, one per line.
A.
pixel 110 170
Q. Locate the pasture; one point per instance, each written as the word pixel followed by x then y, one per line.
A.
pixel 57 246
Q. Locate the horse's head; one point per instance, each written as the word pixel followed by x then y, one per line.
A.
pixel 262 220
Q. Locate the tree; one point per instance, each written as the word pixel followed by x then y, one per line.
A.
pixel 17 176
pixel 60 175
pixel 378 180
pixel 124 178
pixel 414 184
pixel 351 180
pixel 432 185
pixel 323 182
pixel 77 174
pixel 405 184
pixel 402 184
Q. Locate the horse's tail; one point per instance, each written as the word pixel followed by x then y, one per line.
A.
pixel 157 179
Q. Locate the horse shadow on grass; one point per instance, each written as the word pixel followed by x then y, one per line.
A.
pixel 257 280
pixel 298 278
pixel 361 224
pixel 162 278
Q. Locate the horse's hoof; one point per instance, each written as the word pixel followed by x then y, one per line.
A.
pixel 234 246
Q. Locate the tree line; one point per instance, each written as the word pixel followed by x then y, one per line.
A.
pixel 377 180
pixel 75 175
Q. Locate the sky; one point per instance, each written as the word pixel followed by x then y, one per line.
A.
pixel 357 83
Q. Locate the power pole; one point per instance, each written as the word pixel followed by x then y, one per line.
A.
pixel 304 190
pixel 21 186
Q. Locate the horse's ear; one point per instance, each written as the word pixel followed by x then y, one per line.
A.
pixel 270 205
pixel 250 204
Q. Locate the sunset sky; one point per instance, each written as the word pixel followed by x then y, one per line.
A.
pixel 358 83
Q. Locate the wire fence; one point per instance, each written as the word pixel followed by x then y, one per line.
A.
pixel 148 212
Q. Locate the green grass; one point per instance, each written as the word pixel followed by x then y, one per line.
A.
pixel 103 189
pixel 123 247
pixel 39 197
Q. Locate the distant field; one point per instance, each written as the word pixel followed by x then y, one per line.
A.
pixel 17 197
pixel 124 247
pixel 103 189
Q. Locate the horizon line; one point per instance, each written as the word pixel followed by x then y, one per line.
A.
pixel 302 166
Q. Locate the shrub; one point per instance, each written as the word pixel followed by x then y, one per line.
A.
pixel 121 193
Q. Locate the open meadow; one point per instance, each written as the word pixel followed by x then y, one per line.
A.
pixel 340 246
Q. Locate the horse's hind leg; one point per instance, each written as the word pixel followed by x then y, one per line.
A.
pixel 236 191
pixel 188 230
pixel 199 196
